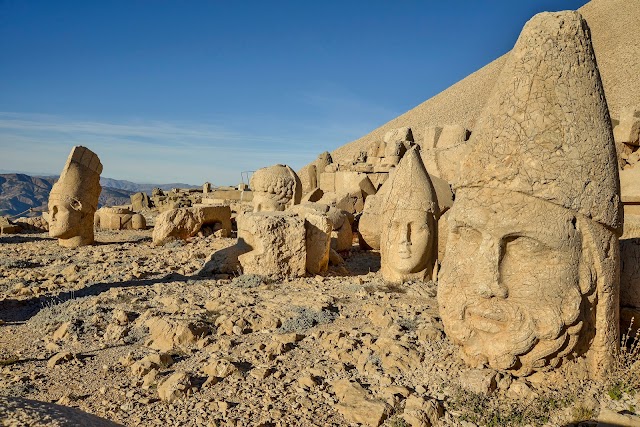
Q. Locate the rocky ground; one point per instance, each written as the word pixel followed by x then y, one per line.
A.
pixel 130 333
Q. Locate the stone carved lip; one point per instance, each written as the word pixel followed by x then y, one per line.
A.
pixel 404 252
pixel 491 319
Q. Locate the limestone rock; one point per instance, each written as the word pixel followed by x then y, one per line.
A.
pixel 277 242
pixel 140 201
pixel 116 218
pixel 533 233
pixel 318 228
pixel 34 224
pixel 74 199
pixel 175 387
pixel 628 130
pixel 357 406
pixel 60 358
pixel 183 223
pixel 479 381
pixel 7 227
pixel 166 335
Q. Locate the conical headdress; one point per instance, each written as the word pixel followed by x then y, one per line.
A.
pixel 80 179
pixel 546 130
pixel 411 187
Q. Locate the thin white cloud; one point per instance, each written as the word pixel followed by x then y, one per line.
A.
pixel 150 151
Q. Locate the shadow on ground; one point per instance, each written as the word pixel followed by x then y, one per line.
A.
pixel 35 413
pixel 12 310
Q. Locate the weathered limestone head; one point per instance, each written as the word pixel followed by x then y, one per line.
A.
pixel 409 223
pixel 530 275
pixel 275 188
pixel 74 199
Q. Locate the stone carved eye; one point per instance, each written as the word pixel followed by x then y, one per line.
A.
pixel 524 245
pixel 466 233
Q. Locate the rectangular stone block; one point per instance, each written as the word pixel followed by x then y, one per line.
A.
pixel 328 182
pixel 277 243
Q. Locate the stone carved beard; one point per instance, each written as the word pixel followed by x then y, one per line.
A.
pixel 517 282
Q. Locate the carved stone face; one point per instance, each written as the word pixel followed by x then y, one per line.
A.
pixel 265 202
pixel 406 242
pixel 65 217
pixel 510 289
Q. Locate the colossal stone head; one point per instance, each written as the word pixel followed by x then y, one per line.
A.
pixel 530 275
pixel 410 215
pixel 74 199
pixel 275 188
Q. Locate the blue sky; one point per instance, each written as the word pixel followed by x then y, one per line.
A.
pixel 195 91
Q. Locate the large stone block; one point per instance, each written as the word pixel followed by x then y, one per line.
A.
pixel 277 242
pixel 628 129
pixel 183 223
pixel 328 182
pixel 318 228
pixel 115 218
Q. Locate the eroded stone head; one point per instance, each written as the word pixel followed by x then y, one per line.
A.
pixel 410 212
pixel 275 188
pixel 73 200
pixel 531 268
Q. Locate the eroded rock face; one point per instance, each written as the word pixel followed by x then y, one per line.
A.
pixel 277 243
pixel 74 199
pixel 409 223
pixel 275 188
pixel 530 275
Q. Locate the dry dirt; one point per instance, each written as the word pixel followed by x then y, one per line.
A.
pixel 107 330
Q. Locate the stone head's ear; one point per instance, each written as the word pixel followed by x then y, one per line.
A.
pixel 75 204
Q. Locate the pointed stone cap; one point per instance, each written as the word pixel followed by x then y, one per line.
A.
pixel 546 130
pixel 410 186
pixel 80 178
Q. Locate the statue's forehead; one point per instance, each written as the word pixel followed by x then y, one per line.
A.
pixel 503 212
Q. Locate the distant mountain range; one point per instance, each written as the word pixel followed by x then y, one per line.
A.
pixel 121 184
pixel 20 192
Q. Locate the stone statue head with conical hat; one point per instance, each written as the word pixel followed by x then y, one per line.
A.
pixel 74 199
pixel 530 275
pixel 409 223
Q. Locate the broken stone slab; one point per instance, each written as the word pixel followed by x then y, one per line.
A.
pixel 177 386
pixel 318 238
pixel 356 405
pixel 277 242
pixel 169 334
pixel 118 218
pixel 628 129
pixel 398 135
pixel 140 201
pixel 183 223
pixel 7 227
